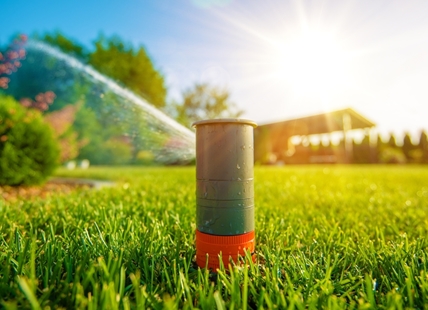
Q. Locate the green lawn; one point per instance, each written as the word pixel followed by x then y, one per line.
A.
pixel 327 237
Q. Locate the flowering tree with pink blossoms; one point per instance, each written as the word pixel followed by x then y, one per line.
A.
pixel 10 61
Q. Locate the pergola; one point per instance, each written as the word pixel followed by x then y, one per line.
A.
pixel 275 137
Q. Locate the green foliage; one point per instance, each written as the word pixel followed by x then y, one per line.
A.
pixel 390 155
pixel 327 237
pixel 205 102
pixel 145 158
pixel 104 127
pixel 89 130
pixel 392 141
pixel 28 151
pixel 65 44
pixel 132 67
pixel 116 152
pixel 388 152
pixel 362 152
pixel 41 73
pixel 106 116
pixel 423 147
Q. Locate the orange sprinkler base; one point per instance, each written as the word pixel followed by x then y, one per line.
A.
pixel 208 248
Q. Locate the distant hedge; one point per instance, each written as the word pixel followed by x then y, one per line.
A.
pixel 28 150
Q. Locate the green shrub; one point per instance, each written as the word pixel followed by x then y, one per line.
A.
pixel 28 151
pixel 391 155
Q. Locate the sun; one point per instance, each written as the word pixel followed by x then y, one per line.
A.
pixel 313 63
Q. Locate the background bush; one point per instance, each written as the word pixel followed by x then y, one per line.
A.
pixel 28 150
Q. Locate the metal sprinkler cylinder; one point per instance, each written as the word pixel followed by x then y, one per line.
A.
pixel 224 190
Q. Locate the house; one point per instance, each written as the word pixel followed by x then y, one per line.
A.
pixel 273 142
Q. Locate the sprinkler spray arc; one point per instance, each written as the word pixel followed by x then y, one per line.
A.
pixel 151 110
pixel 224 190
pixel 133 116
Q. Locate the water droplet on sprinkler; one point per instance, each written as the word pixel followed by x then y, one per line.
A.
pixel 237 166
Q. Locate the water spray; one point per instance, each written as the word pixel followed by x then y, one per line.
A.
pixel 224 191
pixel 132 116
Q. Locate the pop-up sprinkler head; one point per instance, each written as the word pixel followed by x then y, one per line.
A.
pixel 224 190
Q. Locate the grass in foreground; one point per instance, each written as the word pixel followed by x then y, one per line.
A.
pixel 327 237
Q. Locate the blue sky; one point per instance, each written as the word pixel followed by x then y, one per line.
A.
pixel 279 59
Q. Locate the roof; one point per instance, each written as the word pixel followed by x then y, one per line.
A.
pixel 319 123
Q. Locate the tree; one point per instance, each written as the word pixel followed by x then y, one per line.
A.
pixel 203 101
pixel 38 73
pixel 389 152
pixel 10 59
pixel 408 148
pixel 65 44
pixel 423 147
pixel 132 67
pixel 362 151
pixel 392 141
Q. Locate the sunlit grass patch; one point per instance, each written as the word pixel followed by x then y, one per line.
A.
pixel 326 237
